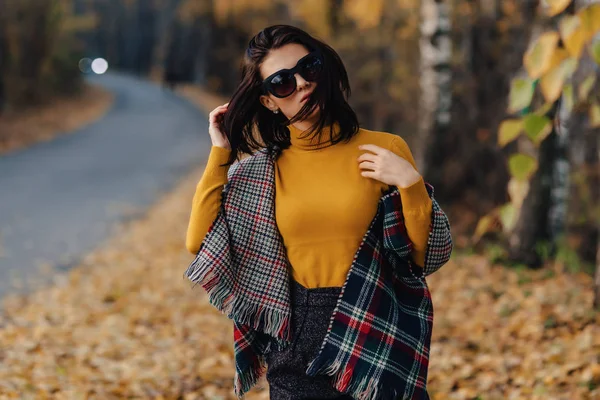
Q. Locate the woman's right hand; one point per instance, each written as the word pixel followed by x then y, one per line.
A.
pixel 215 123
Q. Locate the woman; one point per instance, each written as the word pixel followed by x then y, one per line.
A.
pixel 318 244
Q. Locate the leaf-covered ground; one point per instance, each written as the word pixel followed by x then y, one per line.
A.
pixel 126 324
pixel 61 116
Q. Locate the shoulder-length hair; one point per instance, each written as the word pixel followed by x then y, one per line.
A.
pixel 247 120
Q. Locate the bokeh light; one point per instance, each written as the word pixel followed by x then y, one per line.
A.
pixel 85 65
pixel 99 66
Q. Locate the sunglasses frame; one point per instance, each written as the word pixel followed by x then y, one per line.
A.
pixel 266 84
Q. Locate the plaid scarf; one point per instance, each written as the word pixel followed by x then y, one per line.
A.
pixel 378 343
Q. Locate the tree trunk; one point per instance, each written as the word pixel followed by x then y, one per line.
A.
pixel 543 214
pixel 533 229
pixel 435 81
pixel 3 56
pixel 561 169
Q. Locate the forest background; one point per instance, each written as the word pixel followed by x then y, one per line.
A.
pixel 499 99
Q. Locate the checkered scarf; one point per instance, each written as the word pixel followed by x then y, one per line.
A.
pixel 377 346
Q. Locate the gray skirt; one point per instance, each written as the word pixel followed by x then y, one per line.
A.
pixel 286 369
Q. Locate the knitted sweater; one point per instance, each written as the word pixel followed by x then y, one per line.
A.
pixel 323 204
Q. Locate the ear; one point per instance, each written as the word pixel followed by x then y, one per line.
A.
pixel 268 102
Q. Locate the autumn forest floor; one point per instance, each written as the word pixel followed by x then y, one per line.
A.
pixel 126 324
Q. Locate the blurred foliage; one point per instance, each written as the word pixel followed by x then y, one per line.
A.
pixel 38 51
pixel 556 87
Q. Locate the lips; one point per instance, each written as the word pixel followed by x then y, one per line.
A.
pixel 305 97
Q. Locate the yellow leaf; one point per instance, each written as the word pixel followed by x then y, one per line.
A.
pixel 555 7
pixel 538 58
pixel 487 223
pixel 508 131
pixel 594 13
pixel 552 83
pixel 585 87
pixel 573 34
pixel 595 115
pixel 558 57
pixel 590 20
pixel 544 109
pixel 517 190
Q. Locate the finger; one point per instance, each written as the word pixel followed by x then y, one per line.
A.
pixel 369 174
pixel 219 108
pixel 214 119
pixel 216 113
pixel 367 164
pixel 371 147
pixel 367 157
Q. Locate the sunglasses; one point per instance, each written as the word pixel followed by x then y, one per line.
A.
pixel 283 82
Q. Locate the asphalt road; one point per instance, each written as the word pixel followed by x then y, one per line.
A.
pixel 59 199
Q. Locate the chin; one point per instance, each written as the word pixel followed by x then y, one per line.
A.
pixel 314 113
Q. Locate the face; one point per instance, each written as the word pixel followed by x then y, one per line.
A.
pixel 287 57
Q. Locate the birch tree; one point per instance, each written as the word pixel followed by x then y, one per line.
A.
pixel 435 78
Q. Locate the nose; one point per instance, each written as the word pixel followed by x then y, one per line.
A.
pixel 301 82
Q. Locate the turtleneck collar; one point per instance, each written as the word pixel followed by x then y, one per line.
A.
pixel 301 141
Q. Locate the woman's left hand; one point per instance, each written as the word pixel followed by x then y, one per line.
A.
pixel 387 167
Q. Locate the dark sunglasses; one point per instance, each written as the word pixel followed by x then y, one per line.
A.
pixel 283 82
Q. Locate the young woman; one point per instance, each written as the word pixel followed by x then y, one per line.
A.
pixel 318 244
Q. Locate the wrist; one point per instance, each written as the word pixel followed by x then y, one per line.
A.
pixel 407 181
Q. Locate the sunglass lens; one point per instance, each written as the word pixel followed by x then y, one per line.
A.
pixel 283 84
pixel 311 68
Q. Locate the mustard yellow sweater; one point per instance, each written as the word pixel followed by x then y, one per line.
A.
pixel 323 205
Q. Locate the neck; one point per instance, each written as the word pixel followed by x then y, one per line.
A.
pixel 300 138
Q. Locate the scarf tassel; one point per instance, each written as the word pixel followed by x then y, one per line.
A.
pixel 355 383
pixel 245 380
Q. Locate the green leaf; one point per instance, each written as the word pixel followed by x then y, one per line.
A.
pixel 521 94
pixel 508 131
pixel 585 87
pixel 509 215
pixel 522 166
pixel 595 51
pixel 537 127
pixel 568 98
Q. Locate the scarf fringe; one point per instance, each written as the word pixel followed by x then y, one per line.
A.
pixel 354 383
pixel 272 322
pixel 244 381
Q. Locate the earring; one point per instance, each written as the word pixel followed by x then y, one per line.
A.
pixel 275 111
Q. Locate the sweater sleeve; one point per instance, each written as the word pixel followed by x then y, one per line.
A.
pixel 416 206
pixel 207 198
